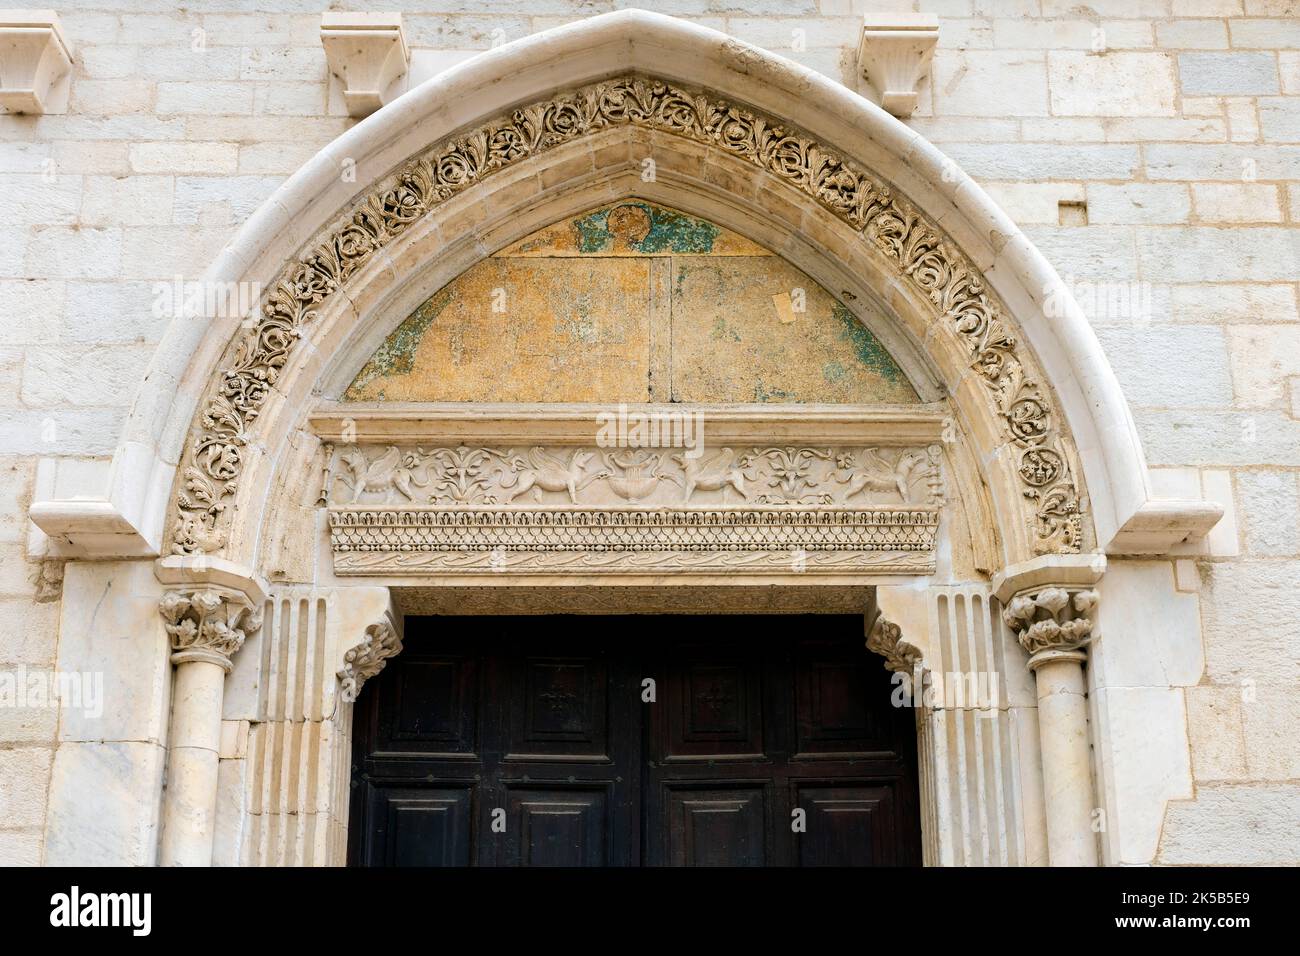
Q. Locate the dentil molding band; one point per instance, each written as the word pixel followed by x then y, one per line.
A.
pixel 914 246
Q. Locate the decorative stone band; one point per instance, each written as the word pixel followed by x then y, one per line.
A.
pixel 1052 622
pixel 368 658
pixel 886 639
pixel 590 476
pixel 208 624
pixel 915 248
pixel 631 540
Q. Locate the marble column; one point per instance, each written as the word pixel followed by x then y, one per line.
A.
pixel 207 624
pixel 1049 604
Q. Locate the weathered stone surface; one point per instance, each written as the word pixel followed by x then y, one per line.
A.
pixel 1240 824
pixel 600 307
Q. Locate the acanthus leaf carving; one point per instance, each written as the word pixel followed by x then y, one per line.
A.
pixel 208 624
pixel 885 638
pixel 1052 618
pixel 368 658
pixel 885 220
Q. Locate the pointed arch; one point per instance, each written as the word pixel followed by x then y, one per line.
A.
pixel 450 171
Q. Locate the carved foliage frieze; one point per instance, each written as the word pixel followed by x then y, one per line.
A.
pixel 914 246
pixel 617 477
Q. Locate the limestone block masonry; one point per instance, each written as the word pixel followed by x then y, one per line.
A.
pixel 1117 183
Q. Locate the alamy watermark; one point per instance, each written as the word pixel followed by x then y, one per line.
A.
pixel 655 428
pixel 1132 301
pixel 33 689
pixel 202 299
pixel 955 690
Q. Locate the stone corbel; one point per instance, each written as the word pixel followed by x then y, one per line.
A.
pixel 897 623
pixel 894 53
pixel 35 62
pixel 368 53
pixel 885 638
pixel 363 661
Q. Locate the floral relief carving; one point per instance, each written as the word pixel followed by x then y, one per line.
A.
pixel 966 308
pixel 885 638
pixel 368 658
pixel 792 475
pixel 208 624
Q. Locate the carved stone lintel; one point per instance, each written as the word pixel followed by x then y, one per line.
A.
pixel 593 476
pixel 1052 622
pixel 885 638
pixel 368 658
pixel 208 624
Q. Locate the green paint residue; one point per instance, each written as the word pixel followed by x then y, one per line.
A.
pixel 669 232
pixel 593 232
pixel 764 394
pixel 834 372
pixel 681 234
pixel 723 331
pixel 396 356
pixel 867 347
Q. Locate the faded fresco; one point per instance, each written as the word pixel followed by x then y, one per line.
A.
pixel 632 303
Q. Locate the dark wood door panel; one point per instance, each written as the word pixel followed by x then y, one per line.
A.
pixel 419 826
pixel 848 825
pixel 559 826
pixel 725 825
pixel 539 723
pixel 562 708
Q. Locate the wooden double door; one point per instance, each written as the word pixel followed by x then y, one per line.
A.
pixel 625 741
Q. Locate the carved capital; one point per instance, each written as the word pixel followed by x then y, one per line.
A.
pixel 1052 621
pixel 885 638
pixel 208 624
pixel 368 658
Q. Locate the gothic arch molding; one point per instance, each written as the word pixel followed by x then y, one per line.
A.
pixel 948 239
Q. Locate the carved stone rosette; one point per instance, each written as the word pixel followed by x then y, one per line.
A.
pixel 885 638
pixel 1052 622
pixel 914 247
pixel 208 624
pixel 368 658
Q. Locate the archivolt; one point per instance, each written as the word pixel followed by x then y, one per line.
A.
pixel 914 247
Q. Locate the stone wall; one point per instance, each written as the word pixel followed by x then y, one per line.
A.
pixel 1150 148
